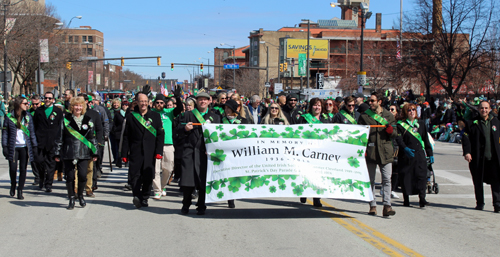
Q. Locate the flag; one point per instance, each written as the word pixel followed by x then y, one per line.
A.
pixel 398 54
pixel 172 85
pixel 162 90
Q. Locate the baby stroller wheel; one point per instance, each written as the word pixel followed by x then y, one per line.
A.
pixel 435 188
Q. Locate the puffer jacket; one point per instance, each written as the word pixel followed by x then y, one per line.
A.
pixel 68 147
pixel 9 133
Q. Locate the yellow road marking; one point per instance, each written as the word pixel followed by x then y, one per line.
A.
pixel 370 239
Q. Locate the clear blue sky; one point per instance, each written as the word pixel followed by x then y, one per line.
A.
pixel 184 31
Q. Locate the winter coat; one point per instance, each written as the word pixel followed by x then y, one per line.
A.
pixel 117 123
pixel 324 118
pixel 9 134
pixel 292 115
pixel 139 144
pixel 413 170
pixel 473 143
pixel 48 129
pixel 68 147
pixel 194 157
pixel 379 148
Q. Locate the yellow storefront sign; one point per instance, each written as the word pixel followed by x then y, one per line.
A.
pixel 318 48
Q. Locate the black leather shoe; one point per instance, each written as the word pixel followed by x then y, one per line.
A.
pixel 303 200
pixel 200 212
pixel 12 190
pixel 479 207
pixel 48 190
pixel 230 204
pixel 137 202
pixel 20 195
pixel 406 204
pixel 184 210
pixel 82 201
pixel 144 203
pixel 71 204
pixel 317 202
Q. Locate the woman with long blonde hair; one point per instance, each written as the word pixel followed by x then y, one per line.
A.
pixel 275 116
pixel 242 109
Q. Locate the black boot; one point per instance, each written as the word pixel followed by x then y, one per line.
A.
pixel 20 195
pixel 406 200
pixel 12 190
pixel 71 204
pixel 230 204
pixel 317 202
pixel 82 201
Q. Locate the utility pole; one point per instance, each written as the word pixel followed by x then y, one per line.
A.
pixel 6 94
pixel 307 63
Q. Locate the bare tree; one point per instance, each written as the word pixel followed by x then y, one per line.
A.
pixel 456 46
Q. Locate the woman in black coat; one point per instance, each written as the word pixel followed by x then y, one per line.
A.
pixel 76 146
pixel 117 116
pixel 314 116
pixel 18 143
pixel 413 142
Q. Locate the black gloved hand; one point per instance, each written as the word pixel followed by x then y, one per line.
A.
pixel 177 92
pixel 146 89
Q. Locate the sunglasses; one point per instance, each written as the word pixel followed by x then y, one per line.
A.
pixel 223 98
pixel 36 104
pixel 273 108
pixel 393 110
pixel 372 101
pixel 293 100
pixel 411 110
pixel 160 102
pixel 329 104
pixel 25 103
pixel 48 98
pixel 351 105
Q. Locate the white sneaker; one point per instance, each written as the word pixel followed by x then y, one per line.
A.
pixel 164 192
pixel 394 195
pixel 157 196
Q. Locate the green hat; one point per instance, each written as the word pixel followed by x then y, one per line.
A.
pixel 90 98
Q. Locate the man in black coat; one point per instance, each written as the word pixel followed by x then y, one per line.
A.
pixel 291 110
pixel 142 144
pixel 48 122
pixel 194 157
pixel 481 146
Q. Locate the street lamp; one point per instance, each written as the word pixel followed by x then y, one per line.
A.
pixel 87 63
pixel 234 62
pixel 78 17
pixel 364 15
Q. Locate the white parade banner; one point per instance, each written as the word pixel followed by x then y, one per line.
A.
pixel 256 161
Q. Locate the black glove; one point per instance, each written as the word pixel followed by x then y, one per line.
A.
pixel 146 89
pixel 5 151
pixel 177 92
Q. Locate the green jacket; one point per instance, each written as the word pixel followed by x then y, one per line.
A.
pixel 380 149
pixel 167 118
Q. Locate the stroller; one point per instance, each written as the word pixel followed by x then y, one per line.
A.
pixel 432 186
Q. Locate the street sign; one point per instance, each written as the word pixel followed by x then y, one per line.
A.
pixel 278 88
pixel 302 64
pixel 219 88
pixel 231 66
pixel 320 77
pixel 361 78
pixel 268 85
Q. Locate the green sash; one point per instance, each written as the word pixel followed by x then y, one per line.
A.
pixel 141 120
pixel 220 109
pixel 376 117
pixel 415 134
pixel 79 136
pixel 348 116
pixel 198 116
pixel 226 121
pixel 311 119
pixel 23 128
pixel 331 115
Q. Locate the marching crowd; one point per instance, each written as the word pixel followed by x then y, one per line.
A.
pixel 160 140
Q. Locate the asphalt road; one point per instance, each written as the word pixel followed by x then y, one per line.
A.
pixel 40 225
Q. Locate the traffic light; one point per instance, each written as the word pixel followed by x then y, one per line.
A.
pixel 281 67
pixel 172 66
pixel 133 82
pixel 201 67
pixel 285 66
pixel 68 65
pixel 123 62
pixel 158 61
